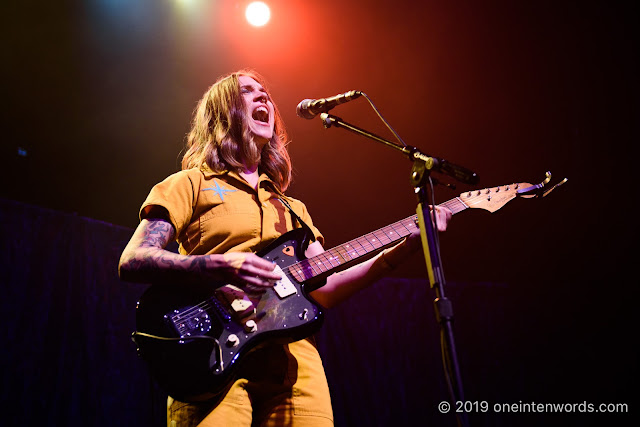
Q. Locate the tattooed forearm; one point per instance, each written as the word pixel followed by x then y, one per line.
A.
pixel 145 259
pixel 165 260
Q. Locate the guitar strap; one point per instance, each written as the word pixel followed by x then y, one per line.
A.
pixel 309 238
pixel 310 235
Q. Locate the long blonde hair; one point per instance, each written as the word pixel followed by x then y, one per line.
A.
pixel 220 136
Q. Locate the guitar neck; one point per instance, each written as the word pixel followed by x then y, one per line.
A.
pixel 353 251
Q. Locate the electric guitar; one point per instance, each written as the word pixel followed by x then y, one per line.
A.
pixel 194 341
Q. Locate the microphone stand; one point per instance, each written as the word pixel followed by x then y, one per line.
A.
pixel 420 176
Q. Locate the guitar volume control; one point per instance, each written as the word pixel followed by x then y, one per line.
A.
pixel 233 340
pixel 250 326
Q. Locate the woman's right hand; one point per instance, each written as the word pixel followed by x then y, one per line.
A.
pixel 247 269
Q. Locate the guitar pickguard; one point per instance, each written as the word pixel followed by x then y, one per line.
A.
pixel 232 321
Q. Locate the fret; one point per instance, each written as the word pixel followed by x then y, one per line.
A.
pixel 302 270
pixel 411 224
pixel 391 233
pixel 402 229
pixel 408 230
pixel 324 260
pixel 382 237
pixel 346 252
pixel 319 262
pixel 334 257
pixel 361 246
pixel 294 271
pixel 354 249
pixel 358 247
pixel 372 242
pixel 455 205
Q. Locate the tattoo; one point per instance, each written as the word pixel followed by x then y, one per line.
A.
pixel 156 264
pixel 157 234
pixel 197 265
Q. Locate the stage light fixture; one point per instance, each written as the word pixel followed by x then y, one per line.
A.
pixel 258 13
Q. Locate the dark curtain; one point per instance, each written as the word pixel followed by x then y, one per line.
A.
pixel 67 358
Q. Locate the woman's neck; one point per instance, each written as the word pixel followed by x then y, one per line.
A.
pixel 250 174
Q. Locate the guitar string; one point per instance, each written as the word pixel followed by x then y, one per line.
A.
pixel 366 243
pixel 367 247
pixel 194 311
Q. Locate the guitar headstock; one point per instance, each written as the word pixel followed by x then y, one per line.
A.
pixel 493 198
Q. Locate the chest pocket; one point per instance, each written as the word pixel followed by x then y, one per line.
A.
pixel 230 223
pixel 221 223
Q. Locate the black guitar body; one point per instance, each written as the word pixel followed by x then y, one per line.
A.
pixel 194 340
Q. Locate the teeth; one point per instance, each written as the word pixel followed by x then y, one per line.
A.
pixel 261 113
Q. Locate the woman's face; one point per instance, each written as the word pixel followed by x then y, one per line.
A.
pixel 259 108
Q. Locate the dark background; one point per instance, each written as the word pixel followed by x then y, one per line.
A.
pixel 98 96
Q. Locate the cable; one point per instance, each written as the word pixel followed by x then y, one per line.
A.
pixel 384 120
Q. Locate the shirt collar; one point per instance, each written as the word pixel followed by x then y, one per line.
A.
pixel 209 173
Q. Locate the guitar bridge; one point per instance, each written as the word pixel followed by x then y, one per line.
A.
pixel 190 321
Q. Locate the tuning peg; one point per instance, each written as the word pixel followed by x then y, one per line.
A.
pixel 540 190
pixel 554 187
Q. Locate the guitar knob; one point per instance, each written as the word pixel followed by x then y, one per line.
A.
pixel 250 326
pixel 233 340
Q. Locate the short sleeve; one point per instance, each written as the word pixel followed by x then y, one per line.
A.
pixel 176 194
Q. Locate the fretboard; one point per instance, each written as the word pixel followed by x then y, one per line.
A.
pixel 352 251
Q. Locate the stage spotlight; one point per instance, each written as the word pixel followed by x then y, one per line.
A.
pixel 258 13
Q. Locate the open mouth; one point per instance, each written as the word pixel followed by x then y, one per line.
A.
pixel 261 114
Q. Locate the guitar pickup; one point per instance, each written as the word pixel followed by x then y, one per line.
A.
pixel 236 299
pixel 284 287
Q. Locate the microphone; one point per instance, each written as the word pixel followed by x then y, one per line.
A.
pixel 309 108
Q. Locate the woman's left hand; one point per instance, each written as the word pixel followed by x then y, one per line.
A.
pixel 413 243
